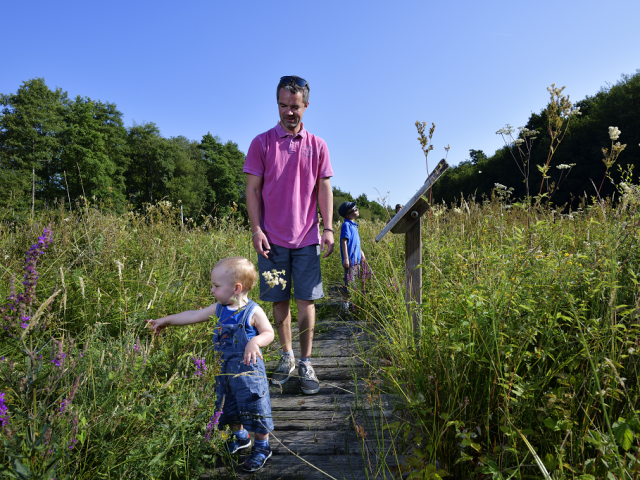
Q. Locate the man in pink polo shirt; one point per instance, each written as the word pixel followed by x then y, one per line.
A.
pixel 288 172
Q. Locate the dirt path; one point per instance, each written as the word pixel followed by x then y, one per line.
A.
pixel 321 429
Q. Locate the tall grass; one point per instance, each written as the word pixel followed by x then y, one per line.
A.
pixel 89 392
pixel 527 361
pixel 526 364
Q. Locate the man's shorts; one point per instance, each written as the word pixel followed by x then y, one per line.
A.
pixel 302 265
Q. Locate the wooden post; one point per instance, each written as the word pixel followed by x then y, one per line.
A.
pixel 413 275
pixel 408 221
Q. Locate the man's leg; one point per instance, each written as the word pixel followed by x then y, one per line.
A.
pixel 306 324
pixel 282 319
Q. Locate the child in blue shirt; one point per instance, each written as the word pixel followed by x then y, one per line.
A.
pixel 242 329
pixel 350 248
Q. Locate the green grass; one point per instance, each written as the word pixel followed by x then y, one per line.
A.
pixel 528 347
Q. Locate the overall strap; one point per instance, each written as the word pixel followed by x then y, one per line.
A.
pixel 219 310
pixel 248 310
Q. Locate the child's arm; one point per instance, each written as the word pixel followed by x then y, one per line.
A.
pixel 345 254
pixel 265 336
pixel 183 318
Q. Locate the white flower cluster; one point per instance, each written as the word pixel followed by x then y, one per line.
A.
pixel 518 141
pixel 457 210
pixel 500 186
pixel 630 195
pixel 614 133
pixel 273 278
pixel 575 111
pixel 564 166
pixel 507 130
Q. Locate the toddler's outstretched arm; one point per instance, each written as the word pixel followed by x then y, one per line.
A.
pixel 183 318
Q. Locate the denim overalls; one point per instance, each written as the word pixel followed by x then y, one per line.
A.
pixel 245 387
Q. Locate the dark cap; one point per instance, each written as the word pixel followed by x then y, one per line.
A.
pixel 345 208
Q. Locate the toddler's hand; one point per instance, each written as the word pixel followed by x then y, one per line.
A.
pixel 157 325
pixel 251 352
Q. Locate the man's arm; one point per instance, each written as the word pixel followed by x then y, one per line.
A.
pixel 325 202
pixel 254 202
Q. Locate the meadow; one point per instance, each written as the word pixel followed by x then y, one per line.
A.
pixel 526 364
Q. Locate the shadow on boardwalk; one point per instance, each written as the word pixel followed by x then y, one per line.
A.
pixel 321 429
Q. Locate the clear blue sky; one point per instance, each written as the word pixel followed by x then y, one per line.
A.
pixel 374 68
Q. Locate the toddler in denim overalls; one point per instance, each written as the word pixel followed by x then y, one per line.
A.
pixel 242 329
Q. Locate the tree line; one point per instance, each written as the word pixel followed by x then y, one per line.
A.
pixel 615 105
pixel 53 148
pixel 56 149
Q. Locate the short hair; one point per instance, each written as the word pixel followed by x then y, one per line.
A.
pixel 240 270
pixel 294 88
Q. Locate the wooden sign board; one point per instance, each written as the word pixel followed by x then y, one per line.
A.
pixel 415 208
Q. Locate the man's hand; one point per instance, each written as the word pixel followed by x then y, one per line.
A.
pixel 252 352
pixel 327 239
pixel 345 264
pixel 261 244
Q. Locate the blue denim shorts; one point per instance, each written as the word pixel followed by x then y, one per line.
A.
pixel 302 265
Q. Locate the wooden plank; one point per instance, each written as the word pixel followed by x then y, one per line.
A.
pixel 413 275
pixel 328 374
pixel 310 402
pixel 326 362
pixel 326 402
pixel 341 467
pixel 336 387
pixel 403 220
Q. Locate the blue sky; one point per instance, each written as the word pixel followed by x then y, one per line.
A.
pixel 374 68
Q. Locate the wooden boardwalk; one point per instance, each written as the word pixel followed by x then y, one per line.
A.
pixel 321 429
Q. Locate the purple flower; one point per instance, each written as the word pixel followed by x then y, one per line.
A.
pixel 64 404
pixel 213 421
pixel 59 359
pixel 21 303
pixel 4 411
pixel 201 367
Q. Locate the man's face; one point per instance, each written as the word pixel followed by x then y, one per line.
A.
pixel 291 108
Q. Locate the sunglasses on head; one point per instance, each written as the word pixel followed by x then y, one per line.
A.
pixel 301 82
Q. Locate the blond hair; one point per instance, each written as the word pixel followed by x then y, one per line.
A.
pixel 240 270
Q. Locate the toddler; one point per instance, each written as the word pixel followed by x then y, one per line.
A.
pixel 242 329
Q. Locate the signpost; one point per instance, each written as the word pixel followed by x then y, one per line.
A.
pixel 409 221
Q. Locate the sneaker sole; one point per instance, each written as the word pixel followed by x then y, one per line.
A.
pixel 310 392
pixel 241 447
pixel 260 467
pixel 282 382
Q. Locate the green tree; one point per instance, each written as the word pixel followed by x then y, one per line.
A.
pixel 94 150
pixel 152 162
pixel 188 183
pixel 227 182
pixel 30 122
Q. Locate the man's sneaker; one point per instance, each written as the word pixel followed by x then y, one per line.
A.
pixel 285 367
pixel 308 381
pixel 237 444
pixel 257 459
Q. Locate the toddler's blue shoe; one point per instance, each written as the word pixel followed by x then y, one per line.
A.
pixel 237 444
pixel 257 459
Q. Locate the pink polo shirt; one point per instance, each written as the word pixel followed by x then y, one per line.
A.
pixel 290 167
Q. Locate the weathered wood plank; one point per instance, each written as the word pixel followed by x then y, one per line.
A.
pixel 327 387
pixel 341 467
pixel 327 374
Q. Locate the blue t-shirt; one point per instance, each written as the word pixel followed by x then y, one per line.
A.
pixel 232 316
pixel 349 230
